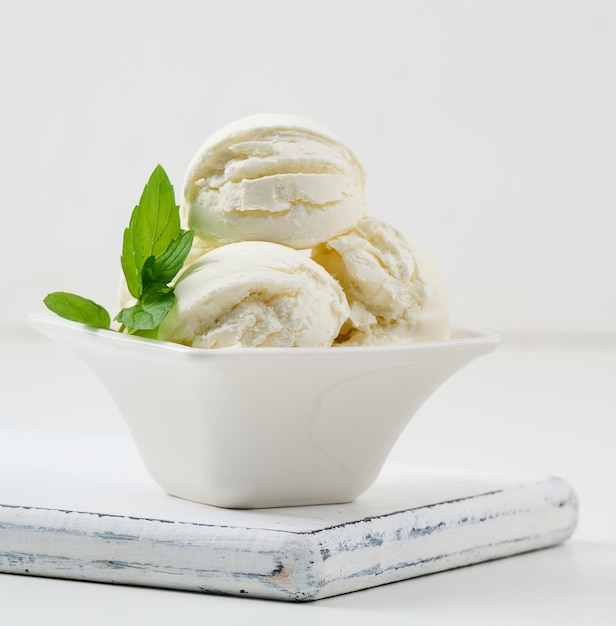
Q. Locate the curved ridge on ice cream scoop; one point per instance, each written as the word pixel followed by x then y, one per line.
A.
pixel 255 294
pixel 393 288
pixel 278 178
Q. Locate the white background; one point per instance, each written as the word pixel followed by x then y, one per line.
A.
pixel 487 129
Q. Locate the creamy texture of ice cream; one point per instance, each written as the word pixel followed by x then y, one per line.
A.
pixel 278 178
pixel 255 294
pixel 393 288
pixel 260 194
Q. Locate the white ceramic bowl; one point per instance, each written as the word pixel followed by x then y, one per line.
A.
pixel 265 427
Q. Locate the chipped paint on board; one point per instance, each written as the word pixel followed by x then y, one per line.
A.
pixel 285 563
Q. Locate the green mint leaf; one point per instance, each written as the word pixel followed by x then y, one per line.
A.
pixel 132 273
pixel 148 275
pixel 147 314
pixel 152 281
pixel 154 224
pixel 159 214
pixel 162 270
pixel 77 309
pixel 151 333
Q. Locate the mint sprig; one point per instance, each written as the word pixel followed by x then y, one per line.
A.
pixel 78 309
pixel 154 224
pixel 153 252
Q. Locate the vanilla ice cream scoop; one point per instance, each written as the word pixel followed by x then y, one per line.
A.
pixel 394 290
pixel 255 294
pixel 277 178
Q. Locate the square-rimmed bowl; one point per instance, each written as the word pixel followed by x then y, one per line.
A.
pixel 265 427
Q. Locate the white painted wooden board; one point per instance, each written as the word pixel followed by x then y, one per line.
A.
pixel 82 507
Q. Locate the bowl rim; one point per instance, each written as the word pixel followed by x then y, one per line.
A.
pixel 464 337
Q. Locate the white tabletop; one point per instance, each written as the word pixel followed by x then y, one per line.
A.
pixel 537 405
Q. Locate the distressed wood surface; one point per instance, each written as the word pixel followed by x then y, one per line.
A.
pixel 82 507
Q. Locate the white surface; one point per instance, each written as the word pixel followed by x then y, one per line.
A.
pixel 98 517
pixel 486 130
pixel 563 586
pixel 536 405
pixel 92 473
pixel 265 427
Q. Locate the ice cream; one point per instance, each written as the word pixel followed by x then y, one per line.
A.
pixel 255 294
pixel 278 178
pixel 393 288
pixel 284 253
